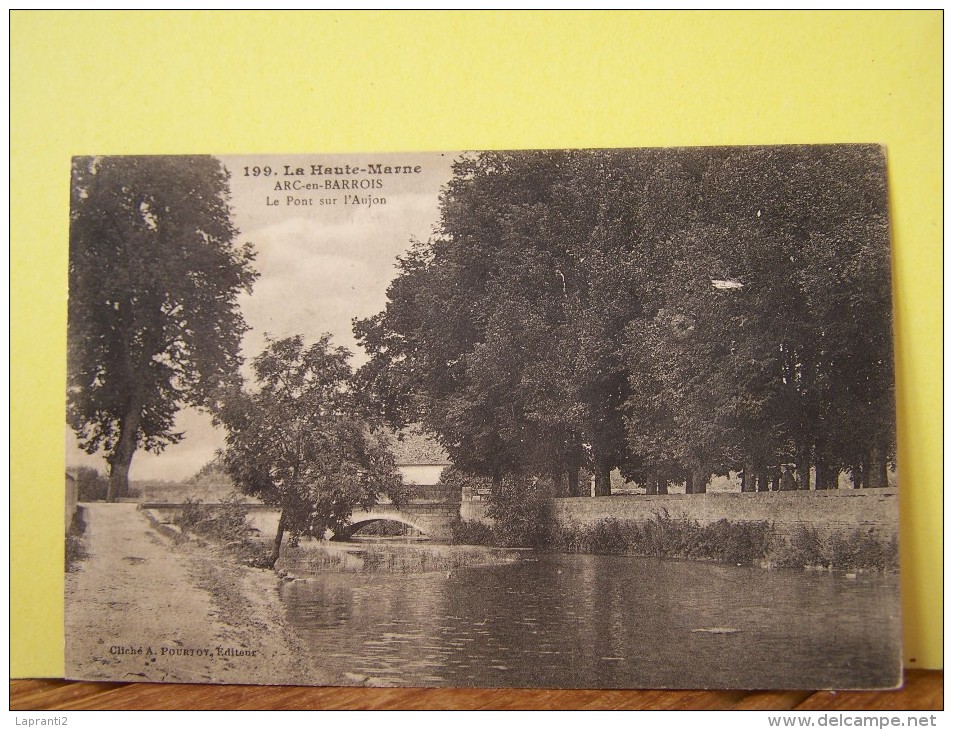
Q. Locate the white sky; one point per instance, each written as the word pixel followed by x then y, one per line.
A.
pixel 320 266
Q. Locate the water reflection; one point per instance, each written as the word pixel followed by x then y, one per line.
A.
pixel 601 621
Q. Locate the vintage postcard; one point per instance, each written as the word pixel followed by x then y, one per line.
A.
pixel 607 418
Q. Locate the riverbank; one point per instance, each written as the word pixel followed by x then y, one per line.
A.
pixel 663 535
pixel 143 606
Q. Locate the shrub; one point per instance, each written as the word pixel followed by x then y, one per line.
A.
pixel 225 522
pixel 664 536
pixel 521 513
pixel 91 484
pixel 193 514
pixel 253 553
pixel 742 543
pixel 471 532
pixel 857 550
pixel 863 550
pixel 607 536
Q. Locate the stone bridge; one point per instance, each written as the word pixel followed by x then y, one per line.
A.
pixel 429 508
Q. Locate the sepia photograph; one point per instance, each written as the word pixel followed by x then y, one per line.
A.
pixel 583 418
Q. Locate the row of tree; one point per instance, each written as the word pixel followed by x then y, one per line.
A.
pixel 673 314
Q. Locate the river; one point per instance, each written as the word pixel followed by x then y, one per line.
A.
pixel 554 620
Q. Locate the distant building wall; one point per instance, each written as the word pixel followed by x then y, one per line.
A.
pixel 421 473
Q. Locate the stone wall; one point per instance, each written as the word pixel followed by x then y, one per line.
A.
pixel 840 510
pixel 473 511
pixel 827 511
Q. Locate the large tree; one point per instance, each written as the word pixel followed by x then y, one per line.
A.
pixel 496 336
pixel 155 272
pixel 304 441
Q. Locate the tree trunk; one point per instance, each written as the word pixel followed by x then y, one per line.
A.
pixel 603 483
pixel 834 478
pixel 820 482
pixel 857 476
pixel 556 475
pixel 877 468
pixel 121 457
pixel 763 481
pixel 651 483
pixel 803 474
pixel 787 483
pixel 831 477
pixel 825 475
pixel 119 478
pixel 572 481
pixel 747 478
pixel 496 485
pixel 699 481
pixel 689 483
pixel 662 486
pixel 276 548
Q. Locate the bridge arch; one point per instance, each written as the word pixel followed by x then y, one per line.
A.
pixel 363 519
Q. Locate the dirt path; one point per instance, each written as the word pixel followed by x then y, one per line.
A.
pixel 142 607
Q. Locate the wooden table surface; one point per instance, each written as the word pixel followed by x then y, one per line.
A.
pixel 923 690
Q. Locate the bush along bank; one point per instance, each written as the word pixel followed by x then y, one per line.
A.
pixel 858 551
pixel 225 523
pixel 665 536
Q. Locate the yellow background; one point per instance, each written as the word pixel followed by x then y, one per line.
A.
pixel 212 82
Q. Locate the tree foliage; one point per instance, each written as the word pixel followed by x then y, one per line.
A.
pixel 154 278
pixel 671 313
pixel 91 484
pixel 212 473
pixel 303 441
